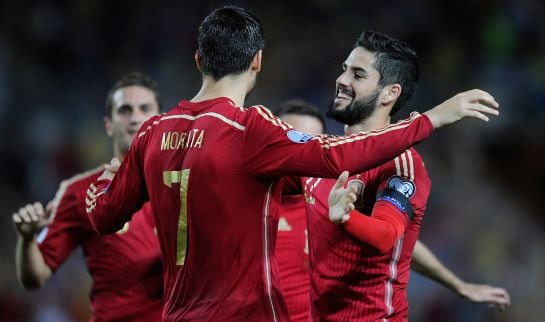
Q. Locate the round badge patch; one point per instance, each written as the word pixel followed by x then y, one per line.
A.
pixel 298 137
pixel 406 187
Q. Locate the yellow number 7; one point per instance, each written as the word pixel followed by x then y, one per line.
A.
pixel 181 177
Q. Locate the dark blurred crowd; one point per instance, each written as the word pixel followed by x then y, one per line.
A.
pixel 485 217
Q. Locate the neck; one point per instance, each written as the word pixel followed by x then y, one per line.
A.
pixel 117 153
pixel 234 87
pixel 376 121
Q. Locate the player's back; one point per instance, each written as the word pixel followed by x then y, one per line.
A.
pixel 195 176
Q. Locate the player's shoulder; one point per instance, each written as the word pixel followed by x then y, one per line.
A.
pixel 150 123
pixel 75 188
pixel 259 110
pixel 265 116
pixel 406 166
pixel 81 180
pixel 407 160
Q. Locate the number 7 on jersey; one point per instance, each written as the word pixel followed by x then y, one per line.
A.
pixel 181 177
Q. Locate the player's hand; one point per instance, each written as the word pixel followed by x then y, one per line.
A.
pixel 30 219
pixel 110 169
pixel 475 103
pixel 493 296
pixel 341 200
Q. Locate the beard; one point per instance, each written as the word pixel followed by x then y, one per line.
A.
pixel 355 112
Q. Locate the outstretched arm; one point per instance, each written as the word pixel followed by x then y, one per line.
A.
pixel 427 264
pixel 32 271
pixel 475 103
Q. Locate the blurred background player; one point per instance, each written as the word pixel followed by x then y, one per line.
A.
pixel 125 267
pixel 212 146
pixel 292 244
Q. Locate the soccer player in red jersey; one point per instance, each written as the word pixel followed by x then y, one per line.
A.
pixel 291 239
pixel 212 168
pixel 126 267
pixel 292 244
pixel 360 267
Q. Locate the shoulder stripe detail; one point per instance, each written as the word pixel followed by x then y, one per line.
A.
pixel 267 115
pixel 64 185
pixel 398 167
pixel 405 165
pixel 192 118
pixel 404 162
pixel 411 164
pixel 328 141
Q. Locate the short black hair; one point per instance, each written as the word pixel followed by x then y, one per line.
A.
pixel 132 79
pixel 396 62
pixel 229 38
pixel 300 107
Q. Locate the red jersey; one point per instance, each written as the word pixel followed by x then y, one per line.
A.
pixel 210 169
pixel 292 256
pixel 351 280
pixel 126 267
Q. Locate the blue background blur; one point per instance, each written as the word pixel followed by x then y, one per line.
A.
pixel 485 216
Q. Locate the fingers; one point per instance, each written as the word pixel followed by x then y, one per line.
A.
pixel 477 115
pixel 49 206
pixel 49 210
pixel 493 296
pixel 23 214
pixel 39 209
pixel 500 297
pixel 114 165
pixel 479 107
pixel 110 170
pixel 483 97
pixel 341 181
pixel 29 219
pixel 16 218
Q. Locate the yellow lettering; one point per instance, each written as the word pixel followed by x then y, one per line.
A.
pixel 174 136
pixel 193 138
pixel 165 142
pixel 182 140
pixel 199 140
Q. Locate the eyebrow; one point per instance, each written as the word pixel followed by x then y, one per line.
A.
pixel 130 105
pixel 356 69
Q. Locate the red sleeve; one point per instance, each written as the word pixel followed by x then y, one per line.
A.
pixel 403 187
pixel 272 148
pixel 111 204
pixel 69 227
pixel 386 224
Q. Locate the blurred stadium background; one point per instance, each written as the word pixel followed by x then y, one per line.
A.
pixel 486 214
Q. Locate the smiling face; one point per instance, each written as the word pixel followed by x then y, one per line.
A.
pixel 357 90
pixel 131 106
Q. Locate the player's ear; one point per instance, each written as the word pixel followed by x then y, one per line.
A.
pixel 256 63
pixel 108 125
pixel 390 94
pixel 198 60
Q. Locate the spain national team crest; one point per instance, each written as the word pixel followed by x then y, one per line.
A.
pixel 406 187
pixel 360 187
pixel 298 137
